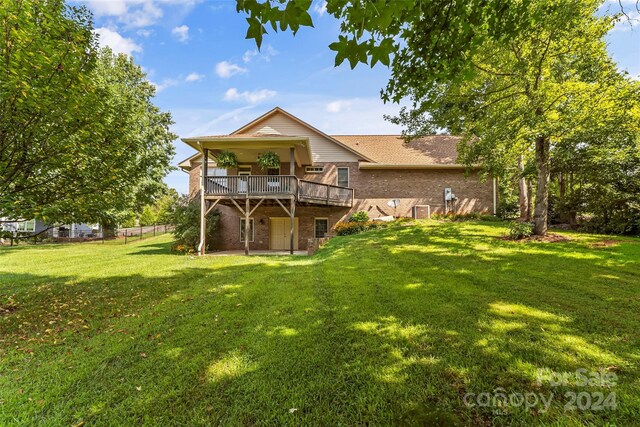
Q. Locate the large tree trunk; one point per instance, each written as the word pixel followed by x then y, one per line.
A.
pixel 542 189
pixel 523 197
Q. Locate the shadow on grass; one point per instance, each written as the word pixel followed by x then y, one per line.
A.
pixel 365 332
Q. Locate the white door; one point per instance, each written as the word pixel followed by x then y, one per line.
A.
pixel 279 239
pixel 242 181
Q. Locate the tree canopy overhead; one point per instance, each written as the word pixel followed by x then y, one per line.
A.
pixel 515 77
pixel 80 139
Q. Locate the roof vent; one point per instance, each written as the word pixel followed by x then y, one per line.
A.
pixel 267 130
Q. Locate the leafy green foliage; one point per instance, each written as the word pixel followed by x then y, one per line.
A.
pixel 186 222
pixel 81 139
pixel 516 78
pixel 355 227
pixel 267 160
pixel 598 182
pixel 519 230
pixel 360 216
pixel 227 159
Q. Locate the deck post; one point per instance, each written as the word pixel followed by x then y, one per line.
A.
pixel 292 225
pixel 203 204
pixel 292 161
pixel 247 228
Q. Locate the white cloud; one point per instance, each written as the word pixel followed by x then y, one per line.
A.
pixel 166 83
pixel 254 97
pixel 226 69
pixel 264 55
pixel 337 106
pixel 194 77
pixel 139 13
pixel 627 22
pixel 181 33
pixel 116 42
pixel 144 33
pixel 320 8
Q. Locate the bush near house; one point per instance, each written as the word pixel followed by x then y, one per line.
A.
pixel 360 216
pixel 186 222
pixel 355 227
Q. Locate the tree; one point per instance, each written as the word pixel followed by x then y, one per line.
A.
pixel 47 51
pixel 506 58
pixel 528 95
pixel 81 139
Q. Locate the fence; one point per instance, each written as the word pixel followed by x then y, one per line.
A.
pixel 139 233
pixel 122 235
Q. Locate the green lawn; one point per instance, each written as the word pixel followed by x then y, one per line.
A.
pixel 392 326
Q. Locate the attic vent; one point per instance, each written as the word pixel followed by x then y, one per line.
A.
pixel 268 131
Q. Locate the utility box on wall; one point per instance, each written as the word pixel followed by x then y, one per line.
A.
pixel 422 212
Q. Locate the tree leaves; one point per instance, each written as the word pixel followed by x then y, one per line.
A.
pixel 80 139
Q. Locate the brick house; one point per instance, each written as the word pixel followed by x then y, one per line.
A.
pixel 322 180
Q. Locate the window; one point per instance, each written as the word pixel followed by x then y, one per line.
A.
pixel 314 169
pixel 273 171
pixel 27 225
pixel 216 172
pixel 343 177
pixel 251 233
pixel 321 227
pixel 244 170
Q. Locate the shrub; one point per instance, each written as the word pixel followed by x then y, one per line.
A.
pixel 360 216
pixel 355 227
pixel 519 230
pixel 508 207
pixel 186 222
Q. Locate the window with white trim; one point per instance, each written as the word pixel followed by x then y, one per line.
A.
pixel 343 177
pixel 251 232
pixel 27 225
pixel 314 169
pixel 321 227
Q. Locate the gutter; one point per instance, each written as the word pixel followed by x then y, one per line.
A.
pixel 408 166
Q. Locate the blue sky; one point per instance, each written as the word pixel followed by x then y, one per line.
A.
pixel 213 81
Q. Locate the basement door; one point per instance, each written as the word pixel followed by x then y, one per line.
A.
pixel 279 234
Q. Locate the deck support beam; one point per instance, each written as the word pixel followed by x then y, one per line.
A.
pixel 202 247
pixel 247 226
pixel 292 212
pixel 292 161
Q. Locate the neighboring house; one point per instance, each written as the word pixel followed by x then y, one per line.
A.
pixel 32 226
pixel 39 227
pixel 322 179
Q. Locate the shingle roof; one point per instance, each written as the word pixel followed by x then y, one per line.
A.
pixel 392 150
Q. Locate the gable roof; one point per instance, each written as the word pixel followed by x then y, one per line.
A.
pixel 433 150
pixel 301 122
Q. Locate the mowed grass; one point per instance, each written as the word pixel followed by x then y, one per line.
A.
pixel 392 326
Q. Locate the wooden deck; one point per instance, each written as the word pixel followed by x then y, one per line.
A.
pixel 276 187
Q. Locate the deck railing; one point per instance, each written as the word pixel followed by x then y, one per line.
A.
pixel 278 185
pixel 324 193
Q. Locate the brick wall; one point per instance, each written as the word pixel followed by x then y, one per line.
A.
pixel 373 190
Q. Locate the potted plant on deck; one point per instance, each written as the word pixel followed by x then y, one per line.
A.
pixel 227 160
pixel 268 160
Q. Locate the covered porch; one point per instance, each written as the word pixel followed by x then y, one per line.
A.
pixel 246 191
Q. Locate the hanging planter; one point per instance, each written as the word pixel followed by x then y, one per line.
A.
pixel 268 160
pixel 226 159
